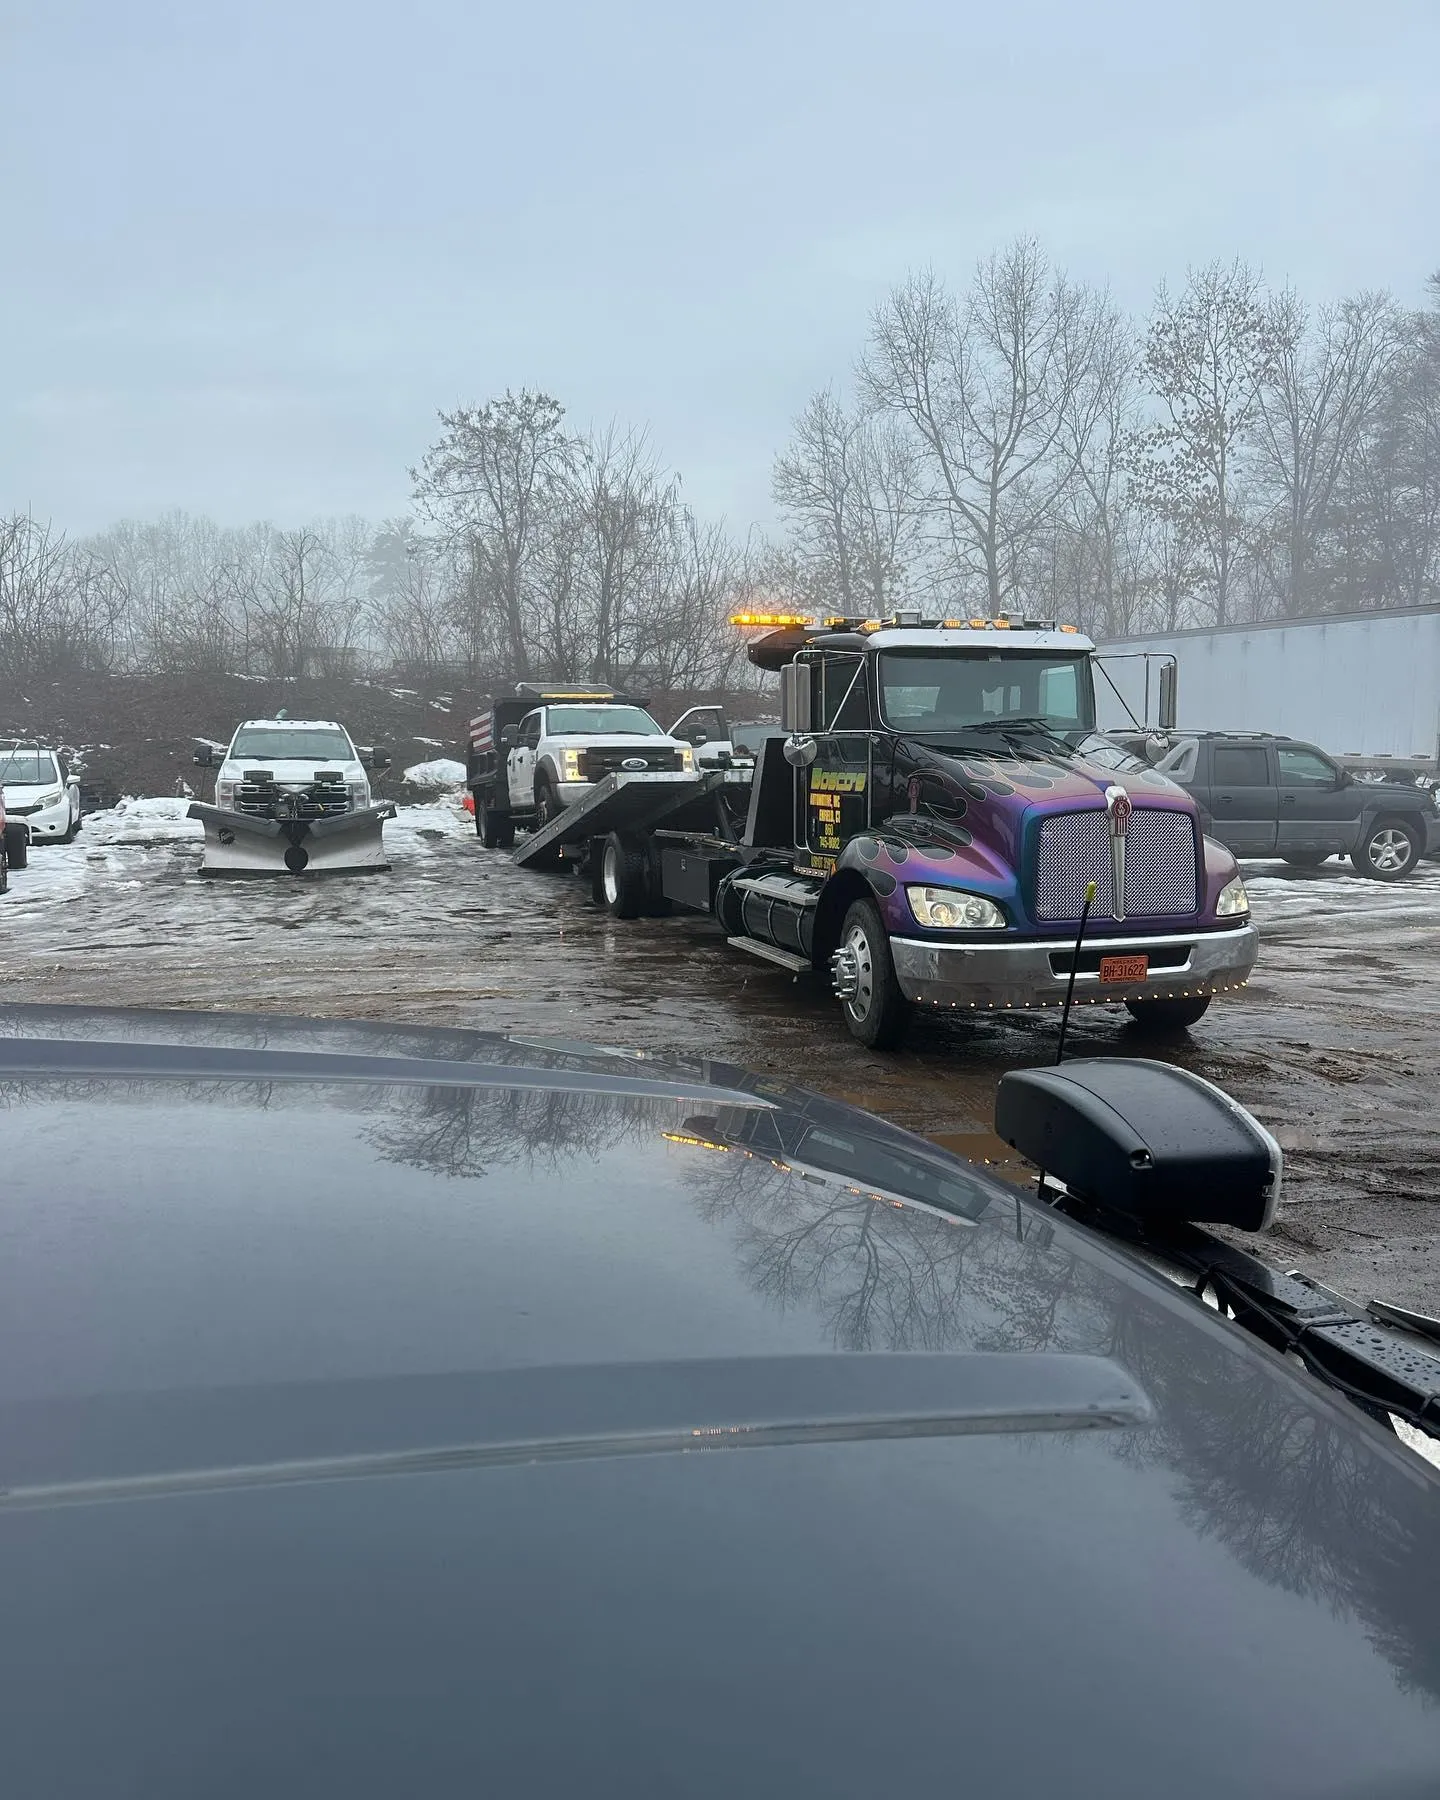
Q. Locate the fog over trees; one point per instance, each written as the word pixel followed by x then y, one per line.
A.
pixel 1017 442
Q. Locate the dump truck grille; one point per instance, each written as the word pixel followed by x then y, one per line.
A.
pixel 1161 874
pixel 606 759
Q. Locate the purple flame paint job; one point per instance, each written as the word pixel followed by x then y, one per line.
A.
pixel 976 829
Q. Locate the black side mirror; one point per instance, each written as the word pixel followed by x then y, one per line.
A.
pixel 379 759
pixel 508 735
pixel 204 759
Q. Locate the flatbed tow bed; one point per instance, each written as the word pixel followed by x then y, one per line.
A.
pixel 634 803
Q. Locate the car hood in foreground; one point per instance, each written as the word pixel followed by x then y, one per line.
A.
pixel 390 1410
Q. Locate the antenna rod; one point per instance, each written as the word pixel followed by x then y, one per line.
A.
pixel 1074 966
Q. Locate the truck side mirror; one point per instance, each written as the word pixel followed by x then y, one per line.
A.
pixel 1169 695
pixel 795 697
pixel 379 759
pixel 801 750
pixel 204 759
pixel 508 734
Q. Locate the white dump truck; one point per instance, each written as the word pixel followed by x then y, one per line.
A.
pixel 292 796
pixel 537 751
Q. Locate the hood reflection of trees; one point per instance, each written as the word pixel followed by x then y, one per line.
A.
pixel 472 1131
pixel 1297 1499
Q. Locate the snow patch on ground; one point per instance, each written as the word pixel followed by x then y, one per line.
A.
pixel 413 824
pixel 441 772
pixel 147 819
pixel 147 840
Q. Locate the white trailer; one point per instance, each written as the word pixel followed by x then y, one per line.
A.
pixel 1361 685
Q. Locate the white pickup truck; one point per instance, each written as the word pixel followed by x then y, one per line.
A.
pixel 535 752
pixel 292 796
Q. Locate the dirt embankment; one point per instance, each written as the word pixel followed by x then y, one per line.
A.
pixel 137 731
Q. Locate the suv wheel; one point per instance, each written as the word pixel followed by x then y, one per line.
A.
pixel 4 865
pixel 1389 849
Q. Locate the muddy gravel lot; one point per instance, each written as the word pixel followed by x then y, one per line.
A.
pixel 1334 1044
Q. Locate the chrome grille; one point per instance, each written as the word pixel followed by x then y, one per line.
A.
pixel 607 758
pixel 1074 848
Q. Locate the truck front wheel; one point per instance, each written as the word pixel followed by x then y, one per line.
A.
pixel 876 1012
pixel 1168 1015
pixel 496 829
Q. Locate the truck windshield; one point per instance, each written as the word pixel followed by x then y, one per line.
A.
pixel 276 744
pixel 930 691
pixel 27 768
pixel 581 721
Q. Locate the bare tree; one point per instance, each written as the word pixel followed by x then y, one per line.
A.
pixel 484 483
pixel 1313 411
pixel 1002 387
pixel 623 503
pixel 61 612
pixel 849 483
pixel 1207 357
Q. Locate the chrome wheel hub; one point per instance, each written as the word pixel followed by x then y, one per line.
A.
pixel 1389 851
pixel 859 966
pixel 844 974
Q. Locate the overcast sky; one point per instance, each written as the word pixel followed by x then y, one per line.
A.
pixel 250 248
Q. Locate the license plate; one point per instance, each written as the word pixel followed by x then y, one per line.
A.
pixel 1124 968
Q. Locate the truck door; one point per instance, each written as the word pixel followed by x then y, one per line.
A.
pixel 1242 798
pixel 836 785
pixel 1319 807
pixel 520 764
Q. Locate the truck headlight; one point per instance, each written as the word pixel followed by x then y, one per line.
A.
pixel 225 793
pixel 687 757
pixel 359 792
pixel 1233 900
pixel 572 765
pixel 947 909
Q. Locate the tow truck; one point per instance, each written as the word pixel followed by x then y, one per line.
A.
pixel 938 826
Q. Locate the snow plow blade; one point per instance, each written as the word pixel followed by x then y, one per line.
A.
pixel 240 844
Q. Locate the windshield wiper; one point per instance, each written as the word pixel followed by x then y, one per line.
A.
pixel 1019 734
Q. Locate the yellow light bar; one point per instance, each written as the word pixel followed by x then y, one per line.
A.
pixel 871 624
pixel 1000 624
pixel 695 1143
pixel 978 624
pixel 955 624
pixel 1070 628
pixel 834 620
pixel 770 619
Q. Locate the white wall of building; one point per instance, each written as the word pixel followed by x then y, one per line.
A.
pixel 1366 685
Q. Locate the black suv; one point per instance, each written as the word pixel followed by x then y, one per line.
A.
pixel 1264 795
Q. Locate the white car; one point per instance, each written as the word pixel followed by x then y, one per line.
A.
pixel 40 789
pixel 559 752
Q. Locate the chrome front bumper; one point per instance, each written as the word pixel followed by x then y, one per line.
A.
pixel 1001 977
